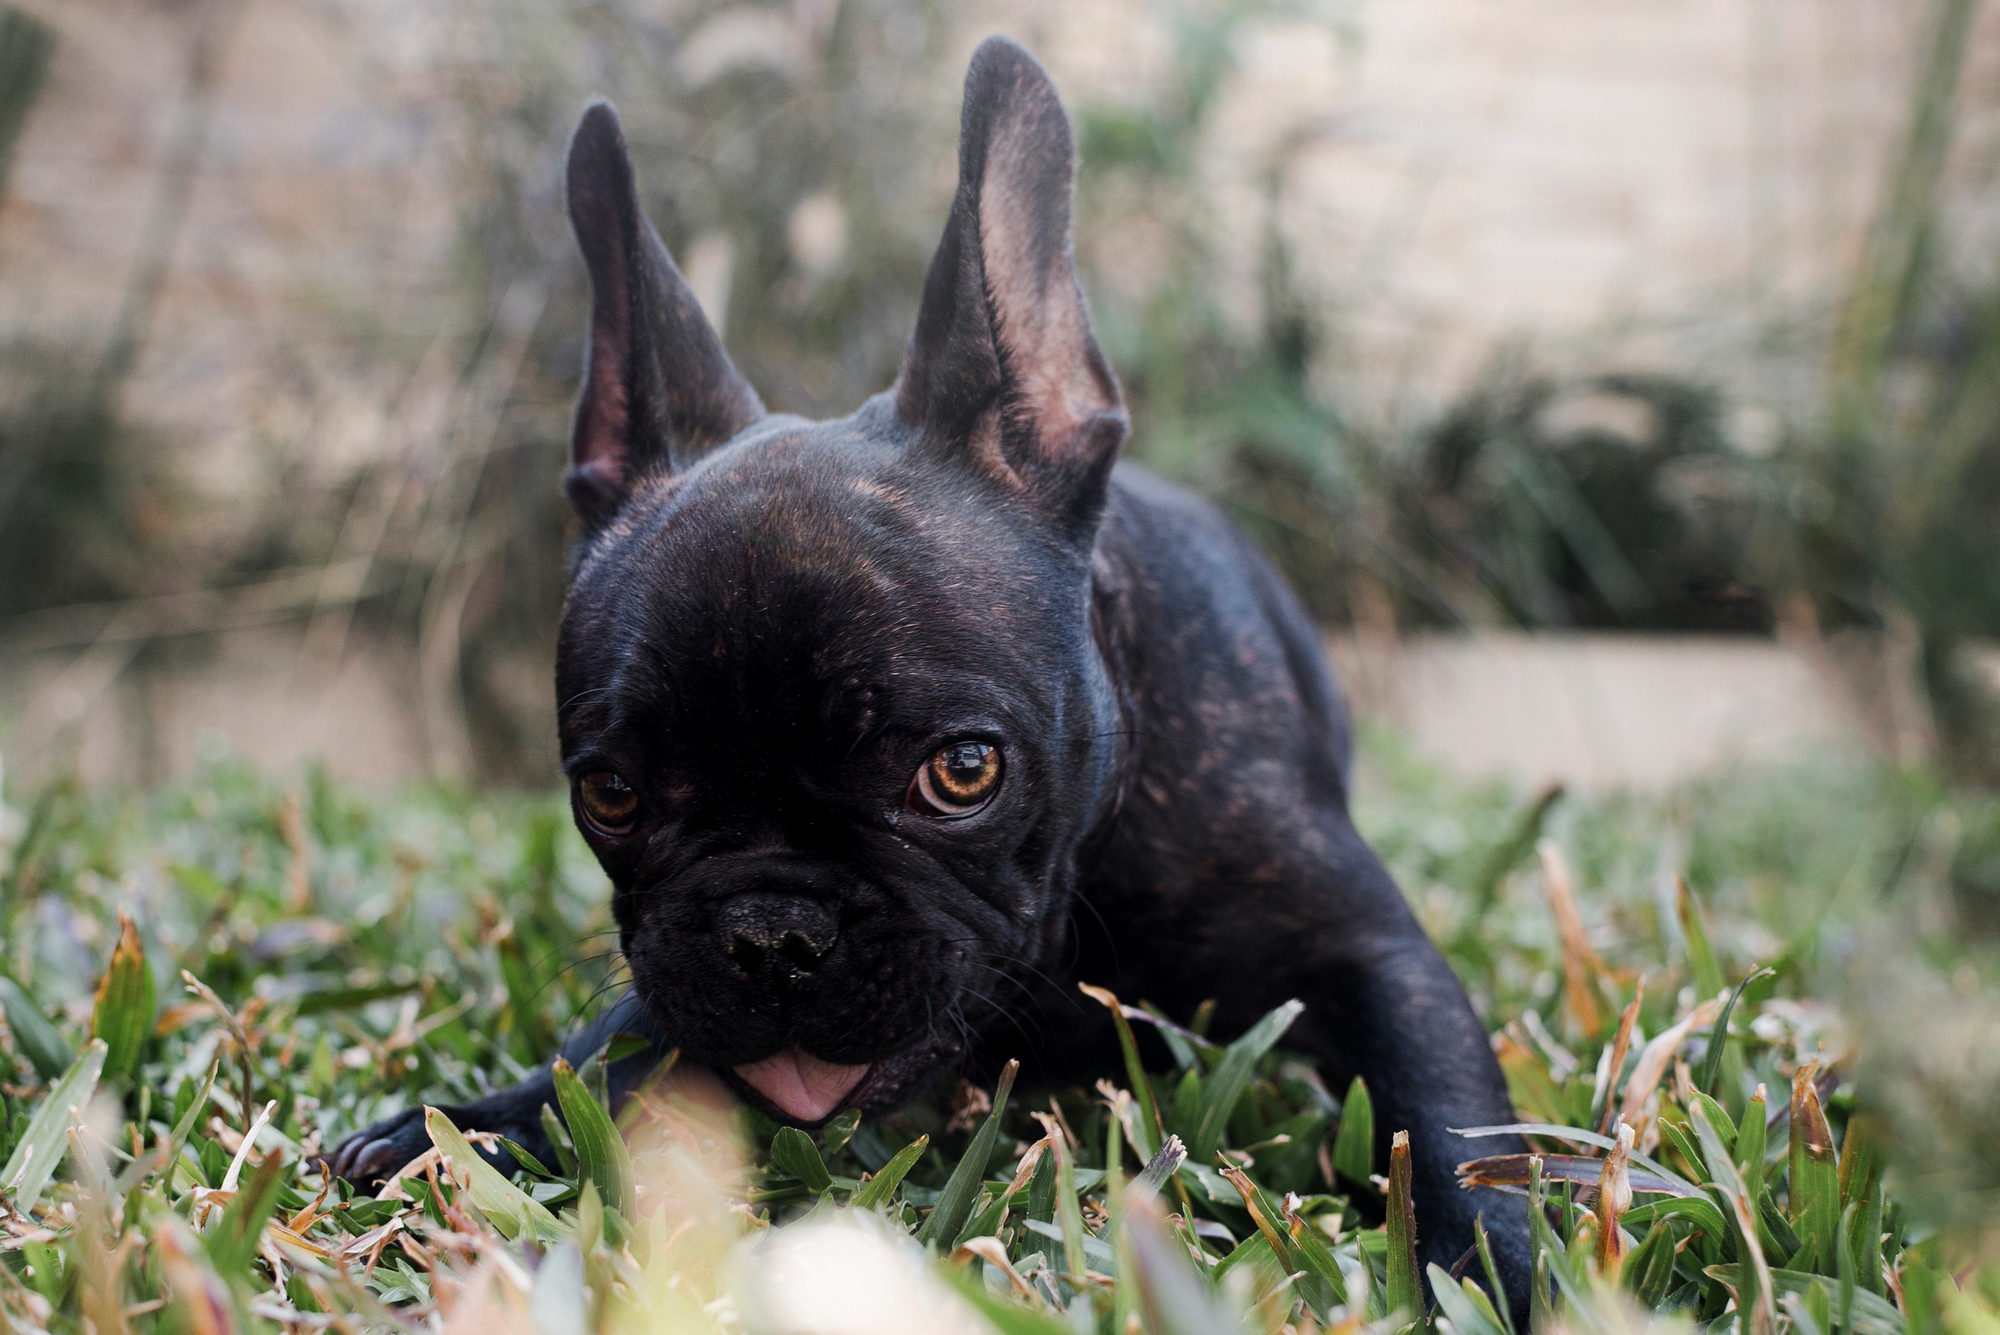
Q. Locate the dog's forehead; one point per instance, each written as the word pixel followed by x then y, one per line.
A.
pixel 812 552
pixel 826 509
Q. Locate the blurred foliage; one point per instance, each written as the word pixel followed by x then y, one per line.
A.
pixel 798 160
pixel 284 961
pixel 85 509
pixel 26 44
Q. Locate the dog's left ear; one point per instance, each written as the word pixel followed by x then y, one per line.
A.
pixel 658 389
pixel 1002 368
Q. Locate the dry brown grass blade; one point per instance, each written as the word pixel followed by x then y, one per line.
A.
pixel 1614 1198
pixel 1658 1056
pixel 1619 1047
pixel 1512 1170
pixel 992 1251
pixel 1582 965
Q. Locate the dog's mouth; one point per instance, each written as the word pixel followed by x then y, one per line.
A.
pixel 800 1085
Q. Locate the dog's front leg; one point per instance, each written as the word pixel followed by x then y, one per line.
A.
pixel 372 1154
pixel 1382 1003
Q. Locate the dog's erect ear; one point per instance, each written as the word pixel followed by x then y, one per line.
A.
pixel 658 389
pixel 1003 366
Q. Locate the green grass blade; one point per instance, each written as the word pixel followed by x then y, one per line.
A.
pixel 1755 1297
pixel 1266 1216
pixel 1551 1261
pixel 33 1034
pixel 1508 854
pixel 123 1014
pixel 880 1189
pixel 513 1211
pixel 1865 1244
pixel 558 1134
pixel 1069 1211
pixel 1252 1249
pixel 232 1244
pixel 524 1157
pixel 1843 1311
pixel 986 1222
pixel 1697 1210
pixel 600 1150
pixel 1309 1249
pixel 1718 1037
pixel 1354 1142
pixel 184 1125
pixel 1860 1160
pixel 1492 1269
pixel 1815 1180
pixel 961 1189
pixel 794 1151
pixel 1869 1313
pixel 1184 1114
pixel 1231 1076
pixel 1165 1162
pixel 1708 978
pixel 1008 1318
pixel 1042 1206
pixel 1650 1268
pixel 1150 1124
pixel 46 1140
pixel 1171 1297
pixel 1750 1144
pixel 1469 1310
pixel 1406 1294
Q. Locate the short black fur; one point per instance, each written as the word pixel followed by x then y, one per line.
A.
pixel 774 622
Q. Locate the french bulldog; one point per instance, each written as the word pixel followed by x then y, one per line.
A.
pixel 889 730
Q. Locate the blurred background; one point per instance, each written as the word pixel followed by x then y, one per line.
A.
pixel 1618 382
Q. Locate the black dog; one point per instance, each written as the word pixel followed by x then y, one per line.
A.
pixel 889 729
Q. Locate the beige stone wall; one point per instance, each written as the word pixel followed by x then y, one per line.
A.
pixel 1658 183
pixel 1611 181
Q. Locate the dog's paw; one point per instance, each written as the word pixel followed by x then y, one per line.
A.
pixel 372 1154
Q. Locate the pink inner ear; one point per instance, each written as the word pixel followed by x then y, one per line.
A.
pixel 1044 328
pixel 602 466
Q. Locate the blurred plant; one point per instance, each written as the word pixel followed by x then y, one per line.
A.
pixel 1604 501
pixel 797 159
pixel 1897 498
pixel 26 44
pixel 786 157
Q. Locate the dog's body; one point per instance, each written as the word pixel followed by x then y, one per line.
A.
pixel 890 730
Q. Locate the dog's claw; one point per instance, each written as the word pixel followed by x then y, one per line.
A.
pixel 368 1156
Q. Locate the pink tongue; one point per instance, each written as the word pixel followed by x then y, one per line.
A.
pixel 802 1085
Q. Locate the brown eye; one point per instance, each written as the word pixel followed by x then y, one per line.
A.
pixel 959 779
pixel 608 802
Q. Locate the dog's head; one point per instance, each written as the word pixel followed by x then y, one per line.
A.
pixel 831 709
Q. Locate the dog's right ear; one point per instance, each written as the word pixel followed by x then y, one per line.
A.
pixel 658 389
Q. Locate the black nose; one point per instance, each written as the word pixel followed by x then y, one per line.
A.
pixel 776 939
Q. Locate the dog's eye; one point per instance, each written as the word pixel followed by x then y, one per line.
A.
pixel 608 802
pixel 958 779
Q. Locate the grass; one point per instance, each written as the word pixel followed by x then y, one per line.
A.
pixel 209 985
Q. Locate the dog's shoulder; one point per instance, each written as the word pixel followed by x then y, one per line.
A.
pixel 1217 634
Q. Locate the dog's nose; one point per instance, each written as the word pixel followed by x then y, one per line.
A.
pixel 776 939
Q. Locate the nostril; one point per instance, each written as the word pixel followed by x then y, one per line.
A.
pixel 802 951
pixel 776 939
pixel 747 952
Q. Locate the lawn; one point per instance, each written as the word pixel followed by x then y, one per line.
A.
pixel 1754 1018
